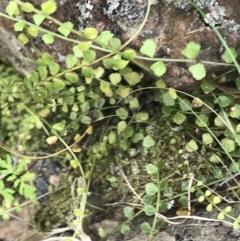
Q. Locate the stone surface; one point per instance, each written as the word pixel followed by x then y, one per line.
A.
pixel 12 51
pixel 163 236
pixel 190 230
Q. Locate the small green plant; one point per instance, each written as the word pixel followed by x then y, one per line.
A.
pixel 101 115
pixel 15 180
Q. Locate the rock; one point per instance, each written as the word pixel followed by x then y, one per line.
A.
pixel 190 230
pixel 47 173
pixel 163 236
pixel 171 24
pixel 11 50
pixel 18 227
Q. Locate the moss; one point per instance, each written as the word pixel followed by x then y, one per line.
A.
pixel 55 211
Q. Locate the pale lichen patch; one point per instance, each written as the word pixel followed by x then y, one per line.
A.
pixel 184 4
pixel 130 10
pixel 215 13
pixel 85 12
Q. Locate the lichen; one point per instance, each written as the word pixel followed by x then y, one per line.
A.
pixel 130 10
pixel 230 26
pixel 85 12
pixel 214 13
pixel 184 4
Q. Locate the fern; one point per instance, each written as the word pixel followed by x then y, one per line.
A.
pixel 12 177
